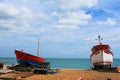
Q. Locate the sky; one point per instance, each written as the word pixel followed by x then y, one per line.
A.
pixel 66 28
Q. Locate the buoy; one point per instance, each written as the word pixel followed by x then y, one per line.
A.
pixel 80 78
pixel 118 68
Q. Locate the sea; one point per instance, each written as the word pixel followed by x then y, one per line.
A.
pixel 75 63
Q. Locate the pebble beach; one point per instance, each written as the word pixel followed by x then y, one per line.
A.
pixel 69 74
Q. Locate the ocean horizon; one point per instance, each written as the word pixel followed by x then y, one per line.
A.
pixel 76 63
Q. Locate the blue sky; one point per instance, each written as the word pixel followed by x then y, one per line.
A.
pixel 66 28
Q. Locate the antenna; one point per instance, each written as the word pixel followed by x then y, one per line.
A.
pixel 99 39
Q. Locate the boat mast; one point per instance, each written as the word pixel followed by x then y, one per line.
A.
pixel 38 50
pixel 99 39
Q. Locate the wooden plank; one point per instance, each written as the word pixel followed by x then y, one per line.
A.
pixel 7 78
pixel 5 71
pixel 27 75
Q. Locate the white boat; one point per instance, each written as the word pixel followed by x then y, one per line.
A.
pixel 102 56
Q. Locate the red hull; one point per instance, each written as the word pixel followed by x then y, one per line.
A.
pixel 20 55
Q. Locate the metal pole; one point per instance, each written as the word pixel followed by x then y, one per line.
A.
pixel 38 50
pixel 99 38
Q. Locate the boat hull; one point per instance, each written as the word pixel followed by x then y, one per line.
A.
pixel 23 58
pixel 102 58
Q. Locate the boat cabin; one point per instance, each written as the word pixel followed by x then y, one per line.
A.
pixel 100 47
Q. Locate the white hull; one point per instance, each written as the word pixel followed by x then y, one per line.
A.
pixel 102 58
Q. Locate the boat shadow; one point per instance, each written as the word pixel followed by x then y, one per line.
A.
pixel 111 70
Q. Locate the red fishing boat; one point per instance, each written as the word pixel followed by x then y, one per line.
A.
pixel 24 57
pixel 102 56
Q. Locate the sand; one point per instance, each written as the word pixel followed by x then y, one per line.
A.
pixel 70 74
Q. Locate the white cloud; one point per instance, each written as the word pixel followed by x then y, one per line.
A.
pixel 66 20
pixel 7 9
pixel 25 13
pixel 14 19
pixel 91 3
pixel 72 20
pixel 76 4
pixel 66 27
pixel 43 16
pixel 108 22
pixel 54 14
